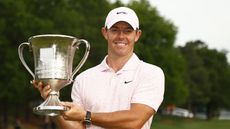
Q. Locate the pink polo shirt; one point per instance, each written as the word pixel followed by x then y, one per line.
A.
pixel 100 89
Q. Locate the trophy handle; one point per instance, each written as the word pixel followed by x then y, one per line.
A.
pixel 84 57
pixel 20 53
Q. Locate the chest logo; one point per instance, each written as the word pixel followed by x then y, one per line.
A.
pixel 126 82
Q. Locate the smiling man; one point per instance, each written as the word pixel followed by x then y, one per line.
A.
pixel 122 92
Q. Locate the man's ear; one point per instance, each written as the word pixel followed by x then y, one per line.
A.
pixel 104 32
pixel 138 35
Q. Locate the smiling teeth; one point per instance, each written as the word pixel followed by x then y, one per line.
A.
pixel 120 43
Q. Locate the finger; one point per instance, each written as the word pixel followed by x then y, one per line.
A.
pixel 45 91
pixel 34 83
pixel 44 95
pixel 64 113
pixel 46 88
pixel 40 86
pixel 67 104
pixel 65 116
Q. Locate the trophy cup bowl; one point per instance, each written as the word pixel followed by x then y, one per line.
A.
pixel 53 59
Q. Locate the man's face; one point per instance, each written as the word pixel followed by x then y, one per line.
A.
pixel 121 38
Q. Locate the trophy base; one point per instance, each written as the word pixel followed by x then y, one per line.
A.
pixel 49 110
pixel 51 106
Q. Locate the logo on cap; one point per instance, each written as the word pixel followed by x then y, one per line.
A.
pixel 121 13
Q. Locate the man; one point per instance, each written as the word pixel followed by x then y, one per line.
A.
pixel 122 92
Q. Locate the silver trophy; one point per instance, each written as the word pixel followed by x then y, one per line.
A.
pixel 53 60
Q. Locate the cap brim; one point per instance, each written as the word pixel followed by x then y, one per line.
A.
pixel 124 19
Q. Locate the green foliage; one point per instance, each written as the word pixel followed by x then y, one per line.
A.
pixel 207 76
pixel 157 31
pixel 196 78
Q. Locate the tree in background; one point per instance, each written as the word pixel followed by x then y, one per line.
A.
pixel 207 73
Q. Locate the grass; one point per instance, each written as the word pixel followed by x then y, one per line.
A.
pixel 183 123
pixel 165 122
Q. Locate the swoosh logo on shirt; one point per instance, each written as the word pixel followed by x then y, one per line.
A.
pixel 126 82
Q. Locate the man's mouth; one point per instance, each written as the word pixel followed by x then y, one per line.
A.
pixel 120 43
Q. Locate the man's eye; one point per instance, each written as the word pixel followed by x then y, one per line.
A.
pixel 128 30
pixel 113 30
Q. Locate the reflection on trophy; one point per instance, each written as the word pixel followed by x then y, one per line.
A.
pixel 53 60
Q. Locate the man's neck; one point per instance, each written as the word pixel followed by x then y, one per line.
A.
pixel 117 63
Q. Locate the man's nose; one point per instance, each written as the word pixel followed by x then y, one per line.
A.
pixel 121 34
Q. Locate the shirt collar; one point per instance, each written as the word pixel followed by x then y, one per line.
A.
pixel 130 65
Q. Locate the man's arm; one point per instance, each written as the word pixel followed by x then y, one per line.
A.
pixel 134 118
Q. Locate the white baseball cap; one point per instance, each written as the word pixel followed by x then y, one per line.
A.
pixel 122 14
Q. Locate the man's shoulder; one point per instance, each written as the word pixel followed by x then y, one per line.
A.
pixel 151 68
pixel 90 71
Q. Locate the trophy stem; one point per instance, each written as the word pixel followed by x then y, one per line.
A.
pixel 51 106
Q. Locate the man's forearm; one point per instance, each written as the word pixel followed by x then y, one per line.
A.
pixel 125 119
pixel 119 119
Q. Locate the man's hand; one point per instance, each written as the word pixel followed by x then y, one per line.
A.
pixel 75 112
pixel 44 90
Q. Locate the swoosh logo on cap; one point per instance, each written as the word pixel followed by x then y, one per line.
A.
pixel 121 13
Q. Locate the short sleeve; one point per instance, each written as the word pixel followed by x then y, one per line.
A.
pixel 150 89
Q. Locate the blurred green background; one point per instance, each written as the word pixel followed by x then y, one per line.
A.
pixel 197 77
